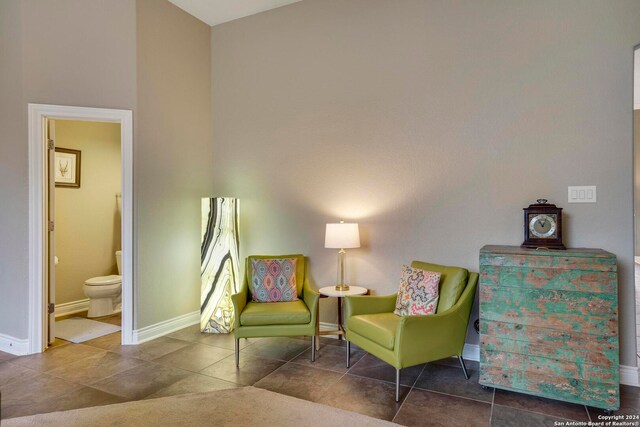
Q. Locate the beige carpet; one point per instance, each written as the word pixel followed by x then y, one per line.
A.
pixel 246 406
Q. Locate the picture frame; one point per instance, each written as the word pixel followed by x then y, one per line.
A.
pixel 67 167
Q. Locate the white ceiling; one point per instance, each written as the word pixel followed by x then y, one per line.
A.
pixel 215 12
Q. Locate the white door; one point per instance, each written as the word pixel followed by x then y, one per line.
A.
pixel 50 298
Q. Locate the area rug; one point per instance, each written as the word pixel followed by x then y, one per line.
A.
pixel 245 406
pixel 79 329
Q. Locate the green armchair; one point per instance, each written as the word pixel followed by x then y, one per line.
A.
pixel 404 341
pixel 276 319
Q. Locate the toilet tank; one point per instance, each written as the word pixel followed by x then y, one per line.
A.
pixel 119 261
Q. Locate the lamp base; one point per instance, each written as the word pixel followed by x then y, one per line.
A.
pixel 342 287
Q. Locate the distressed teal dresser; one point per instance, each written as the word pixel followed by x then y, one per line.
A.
pixel 549 323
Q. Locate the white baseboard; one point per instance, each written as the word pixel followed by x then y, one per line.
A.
pixel 326 326
pixel 629 375
pixel 471 352
pixel 12 345
pixel 72 307
pixel 166 327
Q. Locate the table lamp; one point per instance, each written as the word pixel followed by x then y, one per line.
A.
pixel 342 236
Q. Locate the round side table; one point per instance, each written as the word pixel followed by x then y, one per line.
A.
pixel 330 291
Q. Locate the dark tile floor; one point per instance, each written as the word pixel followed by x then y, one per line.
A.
pixel 101 372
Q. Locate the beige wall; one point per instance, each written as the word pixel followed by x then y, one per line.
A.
pixel 636 137
pixel 88 219
pixel 432 124
pixel 87 53
pixel 174 160
pixel 13 176
pixel 68 52
pixel 636 77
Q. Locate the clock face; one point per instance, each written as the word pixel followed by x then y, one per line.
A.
pixel 543 226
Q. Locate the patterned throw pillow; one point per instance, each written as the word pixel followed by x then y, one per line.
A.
pixel 274 280
pixel 418 293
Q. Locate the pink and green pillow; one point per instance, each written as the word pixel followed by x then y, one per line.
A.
pixel 418 293
pixel 273 280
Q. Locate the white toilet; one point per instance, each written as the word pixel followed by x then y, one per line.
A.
pixel 105 292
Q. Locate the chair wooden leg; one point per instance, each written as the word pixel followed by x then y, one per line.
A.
pixel 348 354
pixel 313 348
pixel 397 385
pixel 464 368
pixel 237 352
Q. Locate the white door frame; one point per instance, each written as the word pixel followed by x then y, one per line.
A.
pixel 37 212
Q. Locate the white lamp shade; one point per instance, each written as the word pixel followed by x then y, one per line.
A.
pixel 342 236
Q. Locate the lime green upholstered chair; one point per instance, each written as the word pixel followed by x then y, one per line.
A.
pixel 404 341
pixel 276 319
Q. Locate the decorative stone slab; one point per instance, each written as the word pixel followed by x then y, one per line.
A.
pixel 219 270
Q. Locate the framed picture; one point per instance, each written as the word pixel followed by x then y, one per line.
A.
pixel 67 168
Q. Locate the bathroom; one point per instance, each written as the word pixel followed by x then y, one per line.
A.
pixel 87 219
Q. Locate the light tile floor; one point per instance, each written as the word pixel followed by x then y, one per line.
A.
pixel 101 372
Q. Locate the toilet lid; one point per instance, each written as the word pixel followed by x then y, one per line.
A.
pixel 104 280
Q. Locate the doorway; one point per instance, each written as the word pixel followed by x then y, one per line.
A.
pixel 85 189
pixel 41 213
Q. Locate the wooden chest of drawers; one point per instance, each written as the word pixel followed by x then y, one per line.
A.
pixel 549 323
